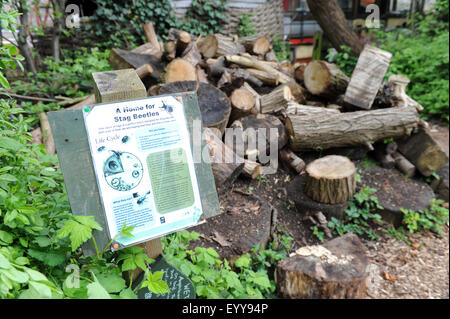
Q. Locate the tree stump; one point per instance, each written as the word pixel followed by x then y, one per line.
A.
pixel 335 270
pixel 213 103
pixel 308 207
pixel 331 179
pixel 325 79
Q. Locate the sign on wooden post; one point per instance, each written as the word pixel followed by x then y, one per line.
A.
pixel 122 170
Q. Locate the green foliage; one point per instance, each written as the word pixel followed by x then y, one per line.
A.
pixel 362 210
pixel 205 17
pixel 70 77
pixel 282 49
pixel 119 24
pixel 423 56
pixel 428 219
pixel 343 59
pixel 319 234
pixel 245 27
pixel 214 278
pixel 9 54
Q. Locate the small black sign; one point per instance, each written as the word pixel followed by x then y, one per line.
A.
pixel 180 286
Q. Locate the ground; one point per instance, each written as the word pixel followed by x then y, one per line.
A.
pixel 397 270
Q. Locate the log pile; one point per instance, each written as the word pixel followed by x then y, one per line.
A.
pixel 244 92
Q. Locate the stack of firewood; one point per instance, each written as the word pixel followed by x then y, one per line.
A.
pixel 240 84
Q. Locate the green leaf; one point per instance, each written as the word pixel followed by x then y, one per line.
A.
pixel 10 144
pixel 129 264
pixel 4 263
pixel 96 291
pixel 111 282
pixel 79 233
pixel 16 275
pixel 158 287
pixel 3 81
pixel 127 294
pixel 243 261
pixel 6 238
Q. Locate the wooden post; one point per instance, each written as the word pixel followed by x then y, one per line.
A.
pixel 114 86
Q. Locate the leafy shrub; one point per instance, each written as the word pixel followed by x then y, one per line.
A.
pixel 343 59
pixel 204 17
pixel 282 49
pixel 214 278
pixel 428 219
pixel 362 210
pixel 245 27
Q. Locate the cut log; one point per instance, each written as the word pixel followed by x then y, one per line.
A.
pixel 271 56
pixel 423 151
pixel 393 93
pixel 367 77
pixel 242 102
pixel 215 45
pixel 148 48
pixel 403 165
pixel 334 270
pixel 251 169
pixel 170 50
pixel 217 68
pixel 192 55
pixel 325 79
pixel 183 40
pixel 213 103
pixel 299 72
pixel 277 100
pixel 201 75
pixel 256 45
pixel 263 76
pixel 252 137
pixel 47 136
pixel 150 35
pixel 306 110
pixel 331 179
pixel 298 92
pixel 122 59
pixel 290 159
pixel 144 70
pixel 257 108
pixel 180 70
pixel 251 62
pixel 225 164
pixel 349 129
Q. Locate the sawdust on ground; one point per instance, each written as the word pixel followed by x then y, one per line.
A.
pixel 416 271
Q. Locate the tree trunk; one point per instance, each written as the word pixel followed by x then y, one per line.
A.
pixel 332 20
pixel 331 179
pixel 349 129
pixel 403 165
pixel 58 16
pixel 306 110
pixel 325 79
pixel 25 49
pixel 334 270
